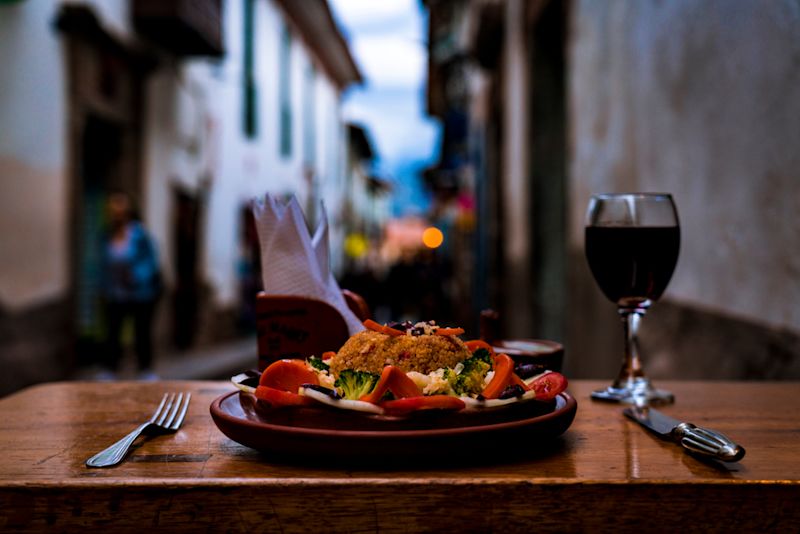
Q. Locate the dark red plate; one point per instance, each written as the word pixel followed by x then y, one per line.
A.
pixel 323 432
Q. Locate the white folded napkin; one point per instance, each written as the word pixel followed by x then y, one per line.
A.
pixel 294 263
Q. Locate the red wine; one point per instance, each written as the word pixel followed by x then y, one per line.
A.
pixel 632 264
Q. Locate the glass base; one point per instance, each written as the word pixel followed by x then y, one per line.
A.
pixel 637 391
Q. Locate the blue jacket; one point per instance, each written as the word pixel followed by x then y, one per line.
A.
pixel 131 267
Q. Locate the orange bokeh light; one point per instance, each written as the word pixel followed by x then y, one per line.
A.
pixel 432 237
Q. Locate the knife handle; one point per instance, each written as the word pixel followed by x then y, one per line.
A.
pixel 708 443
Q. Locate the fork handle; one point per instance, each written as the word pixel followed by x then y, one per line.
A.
pixel 116 452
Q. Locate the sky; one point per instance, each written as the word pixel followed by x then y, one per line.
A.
pixel 388 41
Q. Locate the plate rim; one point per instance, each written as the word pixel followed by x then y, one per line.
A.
pixel 570 406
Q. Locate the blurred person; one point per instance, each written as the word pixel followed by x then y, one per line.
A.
pixel 132 285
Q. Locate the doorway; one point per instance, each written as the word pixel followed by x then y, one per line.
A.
pixel 185 240
pixel 99 162
pixel 104 102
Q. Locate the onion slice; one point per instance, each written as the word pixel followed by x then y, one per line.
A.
pixel 237 381
pixel 342 404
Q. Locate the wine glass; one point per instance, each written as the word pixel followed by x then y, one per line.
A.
pixel 632 243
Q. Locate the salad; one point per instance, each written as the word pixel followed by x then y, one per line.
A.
pixel 399 369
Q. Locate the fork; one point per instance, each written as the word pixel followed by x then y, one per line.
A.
pixel 167 418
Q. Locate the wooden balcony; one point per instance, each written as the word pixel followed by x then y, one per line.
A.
pixel 182 27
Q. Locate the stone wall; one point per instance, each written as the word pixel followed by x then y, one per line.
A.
pixel 35 345
pixel 699 99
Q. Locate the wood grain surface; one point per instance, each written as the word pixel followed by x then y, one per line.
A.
pixel 605 473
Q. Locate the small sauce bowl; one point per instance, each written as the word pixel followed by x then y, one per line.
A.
pixel 532 356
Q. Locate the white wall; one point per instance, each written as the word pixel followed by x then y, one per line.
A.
pixel 193 139
pixel 239 168
pixel 33 133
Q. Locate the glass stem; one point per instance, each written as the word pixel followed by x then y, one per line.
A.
pixel 631 363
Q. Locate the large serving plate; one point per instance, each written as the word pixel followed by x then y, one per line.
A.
pixel 314 433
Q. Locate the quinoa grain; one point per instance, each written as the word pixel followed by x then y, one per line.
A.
pixel 371 351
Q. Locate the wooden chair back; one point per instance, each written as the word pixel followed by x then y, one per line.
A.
pixel 299 327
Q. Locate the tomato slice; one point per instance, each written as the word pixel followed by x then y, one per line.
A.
pixel 415 404
pixel 395 380
pixel 503 371
pixel 277 397
pixel 288 375
pixel 548 385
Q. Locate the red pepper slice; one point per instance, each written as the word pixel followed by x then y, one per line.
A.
pixel 278 398
pixel 380 388
pixel 503 371
pixel 549 385
pixel 402 386
pixel 395 380
pixel 449 331
pixel 372 325
pixel 516 380
pixel 328 355
pixel 415 404
pixel 288 375
pixel 382 329
pixel 393 331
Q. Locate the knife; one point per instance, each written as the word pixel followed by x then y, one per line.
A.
pixel 696 439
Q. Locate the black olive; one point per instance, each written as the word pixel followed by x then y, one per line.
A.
pixel 396 325
pixel 332 393
pixel 514 390
pixel 252 379
pixel 527 370
pixel 417 331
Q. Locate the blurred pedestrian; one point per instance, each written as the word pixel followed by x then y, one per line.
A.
pixel 132 285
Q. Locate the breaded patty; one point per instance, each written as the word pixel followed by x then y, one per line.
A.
pixel 371 351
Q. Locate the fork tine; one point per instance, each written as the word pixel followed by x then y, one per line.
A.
pixel 160 406
pixel 166 409
pixel 174 411
pixel 182 414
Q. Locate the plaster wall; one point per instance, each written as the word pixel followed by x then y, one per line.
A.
pixel 195 141
pixel 33 135
pixel 700 99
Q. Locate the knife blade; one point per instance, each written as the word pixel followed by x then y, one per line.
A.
pixel 696 439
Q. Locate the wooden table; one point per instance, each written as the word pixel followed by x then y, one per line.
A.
pixel 605 473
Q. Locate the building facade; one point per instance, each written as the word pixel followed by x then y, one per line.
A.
pixel 570 98
pixel 193 112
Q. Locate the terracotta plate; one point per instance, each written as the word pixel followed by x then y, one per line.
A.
pixel 309 433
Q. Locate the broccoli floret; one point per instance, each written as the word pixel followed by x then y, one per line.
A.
pixel 317 363
pixel 470 379
pixel 354 384
pixel 482 355
pixel 449 374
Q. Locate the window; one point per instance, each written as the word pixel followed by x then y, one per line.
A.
pixel 285 92
pixel 309 117
pixel 250 109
